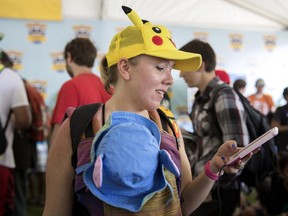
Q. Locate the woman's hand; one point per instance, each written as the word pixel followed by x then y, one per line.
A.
pixel 222 156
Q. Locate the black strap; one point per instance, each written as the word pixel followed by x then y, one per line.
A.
pixel 7 121
pixel 79 121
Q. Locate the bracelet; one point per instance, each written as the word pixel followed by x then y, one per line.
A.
pixel 209 173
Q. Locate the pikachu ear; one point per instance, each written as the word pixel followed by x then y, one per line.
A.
pixel 133 16
pixel 97 171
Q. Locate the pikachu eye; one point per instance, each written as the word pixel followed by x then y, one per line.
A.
pixel 156 29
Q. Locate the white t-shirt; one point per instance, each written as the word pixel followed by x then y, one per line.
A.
pixel 12 94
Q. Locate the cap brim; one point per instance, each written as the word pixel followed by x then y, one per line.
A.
pixel 133 204
pixel 184 61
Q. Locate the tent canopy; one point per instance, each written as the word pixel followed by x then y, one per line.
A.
pixel 223 14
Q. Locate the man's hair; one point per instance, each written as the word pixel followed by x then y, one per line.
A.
pixel 239 84
pixel 205 50
pixel 82 51
pixel 6 60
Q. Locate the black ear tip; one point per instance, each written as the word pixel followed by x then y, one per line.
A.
pixel 126 9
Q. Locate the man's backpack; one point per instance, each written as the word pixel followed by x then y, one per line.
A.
pixel 81 126
pixel 263 163
pixel 40 116
pixel 24 143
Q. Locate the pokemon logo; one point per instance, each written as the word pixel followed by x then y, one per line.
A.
pixel 270 42
pixel 40 86
pixel 36 32
pixel 16 58
pixel 58 62
pixel 82 31
pixel 236 41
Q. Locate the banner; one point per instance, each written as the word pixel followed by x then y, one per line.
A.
pixel 31 9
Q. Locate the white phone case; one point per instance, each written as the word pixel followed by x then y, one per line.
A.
pixel 253 145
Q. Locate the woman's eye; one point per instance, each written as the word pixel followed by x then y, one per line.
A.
pixel 160 68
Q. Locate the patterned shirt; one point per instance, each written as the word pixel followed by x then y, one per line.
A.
pixel 229 117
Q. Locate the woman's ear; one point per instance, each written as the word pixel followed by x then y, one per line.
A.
pixel 124 69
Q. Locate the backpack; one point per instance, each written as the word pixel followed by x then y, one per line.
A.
pixel 263 163
pixel 40 116
pixel 24 143
pixel 82 135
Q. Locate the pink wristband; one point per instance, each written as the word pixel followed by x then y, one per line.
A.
pixel 209 173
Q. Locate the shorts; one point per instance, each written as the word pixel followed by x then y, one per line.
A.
pixel 7 191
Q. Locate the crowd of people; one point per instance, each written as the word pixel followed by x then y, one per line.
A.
pixel 147 169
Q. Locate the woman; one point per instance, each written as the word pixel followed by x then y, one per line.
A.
pixel 137 69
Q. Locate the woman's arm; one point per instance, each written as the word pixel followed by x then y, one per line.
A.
pixel 60 175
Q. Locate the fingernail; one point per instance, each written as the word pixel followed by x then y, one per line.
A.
pixel 234 145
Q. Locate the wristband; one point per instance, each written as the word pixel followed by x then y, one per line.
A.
pixel 209 173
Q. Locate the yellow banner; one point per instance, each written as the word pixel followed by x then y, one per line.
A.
pixel 31 9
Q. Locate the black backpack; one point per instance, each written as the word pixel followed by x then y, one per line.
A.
pixel 263 163
pixel 3 139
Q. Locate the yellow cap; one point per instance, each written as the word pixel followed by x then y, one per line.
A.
pixel 148 39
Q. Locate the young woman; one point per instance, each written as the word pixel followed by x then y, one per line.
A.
pixel 137 70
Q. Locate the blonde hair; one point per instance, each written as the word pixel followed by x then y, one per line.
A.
pixel 109 75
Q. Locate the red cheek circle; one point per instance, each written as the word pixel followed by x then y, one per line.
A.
pixel 157 40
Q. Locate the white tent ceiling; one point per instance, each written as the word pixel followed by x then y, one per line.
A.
pixel 236 14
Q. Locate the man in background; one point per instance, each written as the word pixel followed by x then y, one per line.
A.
pixel 15 111
pixel 211 129
pixel 240 86
pixel 261 101
pixel 84 88
pixel 280 120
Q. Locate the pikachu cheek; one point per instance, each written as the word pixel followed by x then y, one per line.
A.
pixel 157 40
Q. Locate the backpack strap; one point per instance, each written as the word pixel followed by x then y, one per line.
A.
pixel 167 117
pixel 80 122
pixel 6 124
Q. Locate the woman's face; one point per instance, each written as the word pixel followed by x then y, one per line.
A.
pixel 150 80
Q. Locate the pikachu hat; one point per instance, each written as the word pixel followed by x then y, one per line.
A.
pixel 153 40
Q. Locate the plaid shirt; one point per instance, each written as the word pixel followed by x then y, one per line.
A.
pixel 230 117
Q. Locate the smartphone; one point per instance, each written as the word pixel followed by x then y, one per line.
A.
pixel 253 145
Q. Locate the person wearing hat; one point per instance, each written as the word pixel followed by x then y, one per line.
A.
pixel 127 158
pixel 214 121
pixel 223 75
pixel 280 120
pixel 261 101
